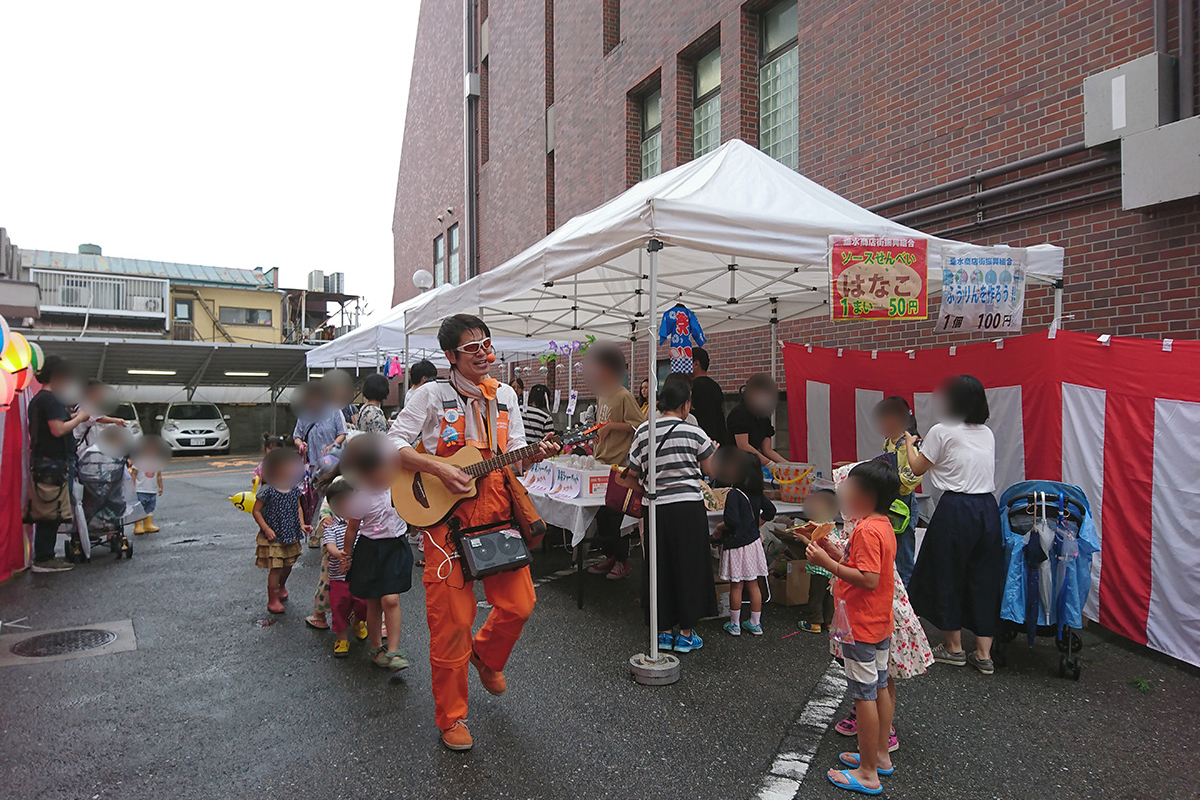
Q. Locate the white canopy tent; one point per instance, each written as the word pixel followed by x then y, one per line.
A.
pixel 389 335
pixel 746 239
pixel 737 237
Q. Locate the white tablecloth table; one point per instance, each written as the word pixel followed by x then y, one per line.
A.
pixel 577 516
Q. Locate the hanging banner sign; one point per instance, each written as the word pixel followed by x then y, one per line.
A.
pixel 983 289
pixel 878 277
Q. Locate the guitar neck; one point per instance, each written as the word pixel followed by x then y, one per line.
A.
pixel 497 462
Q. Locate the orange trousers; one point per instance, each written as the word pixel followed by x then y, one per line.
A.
pixel 450 607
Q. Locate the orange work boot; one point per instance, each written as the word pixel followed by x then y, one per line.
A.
pixel 492 679
pixel 457 737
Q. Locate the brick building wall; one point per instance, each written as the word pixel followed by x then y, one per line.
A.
pixel 894 97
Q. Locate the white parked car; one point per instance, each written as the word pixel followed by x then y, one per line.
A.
pixel 195 427
pixel 133 423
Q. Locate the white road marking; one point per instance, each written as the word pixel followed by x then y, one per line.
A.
pixel 787 772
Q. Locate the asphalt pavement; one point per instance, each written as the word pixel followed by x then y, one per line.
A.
pixel 214 703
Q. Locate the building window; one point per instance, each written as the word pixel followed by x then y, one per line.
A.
pixel 183 310
pixel 652 134
pixel 455 277
pixel 706 116
pixel 245 316
pixel 439 260
pixel 779 84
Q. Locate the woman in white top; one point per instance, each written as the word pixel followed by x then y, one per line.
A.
pixel 536 413
pixel 683 453
pixel 958 578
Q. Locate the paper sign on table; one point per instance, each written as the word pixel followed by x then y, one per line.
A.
pixel 567 484
pixel 540 477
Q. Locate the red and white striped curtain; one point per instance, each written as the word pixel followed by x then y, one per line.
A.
pixel 1119 418
pixel 14 477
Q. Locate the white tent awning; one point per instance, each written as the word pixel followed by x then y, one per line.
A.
pixel 743 234
pixel 386 336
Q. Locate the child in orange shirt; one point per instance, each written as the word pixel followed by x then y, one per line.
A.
pixel 864 576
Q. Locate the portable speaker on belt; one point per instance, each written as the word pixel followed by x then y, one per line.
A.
pixel 489 551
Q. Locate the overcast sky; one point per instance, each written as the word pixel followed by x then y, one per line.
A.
pixel 234 134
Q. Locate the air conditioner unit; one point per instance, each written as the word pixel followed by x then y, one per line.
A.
pixel 148 305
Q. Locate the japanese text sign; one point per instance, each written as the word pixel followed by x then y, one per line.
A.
pixel 983 289
pixel 878 277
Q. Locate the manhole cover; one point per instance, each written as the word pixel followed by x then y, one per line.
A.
pixel 62 642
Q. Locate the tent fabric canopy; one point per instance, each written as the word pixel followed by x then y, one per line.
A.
pixel 745 237
pixel 386 335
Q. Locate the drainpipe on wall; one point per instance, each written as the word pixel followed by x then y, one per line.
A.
pixel 470 220
pixel 1187 57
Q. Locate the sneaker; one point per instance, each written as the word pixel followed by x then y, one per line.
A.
pixel 620 570
pixel 666 641
pixel 893 742
pixel 52 565
pixel 752 629
pixel 686 644
pixel 457 737
pixel 944 656
pixel 984 665
pixel 811 627
pixel 604 567
pixel 360 630
pixel 848 726
pixel 341 648
pixel 731 629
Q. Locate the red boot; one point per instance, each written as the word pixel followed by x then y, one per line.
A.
pixel 273 604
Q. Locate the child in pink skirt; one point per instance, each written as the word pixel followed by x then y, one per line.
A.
pixel 743 560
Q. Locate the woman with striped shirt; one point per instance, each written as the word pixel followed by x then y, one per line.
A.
pixel 683 454
pixel 536 414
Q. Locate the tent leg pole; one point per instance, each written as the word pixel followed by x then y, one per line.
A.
pixel 1056 324
pixel 774 345
pixel 656 668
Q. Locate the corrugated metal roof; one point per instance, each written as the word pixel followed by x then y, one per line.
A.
pixel 180 273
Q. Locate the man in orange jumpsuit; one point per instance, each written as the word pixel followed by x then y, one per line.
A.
pixel 471 409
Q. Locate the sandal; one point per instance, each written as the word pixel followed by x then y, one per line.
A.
pixel 852 761
pixel 319 623
pixel 853 785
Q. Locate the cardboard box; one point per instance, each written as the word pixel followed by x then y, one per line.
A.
pixel 791 590
pixel 595 484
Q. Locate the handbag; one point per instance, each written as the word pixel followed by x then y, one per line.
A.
pixel 623 492
pixel 49 497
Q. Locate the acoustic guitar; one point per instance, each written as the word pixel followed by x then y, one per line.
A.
pixel 422 500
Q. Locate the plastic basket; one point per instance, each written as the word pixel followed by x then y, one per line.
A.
pixel 795 481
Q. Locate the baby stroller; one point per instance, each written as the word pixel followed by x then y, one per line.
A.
pixel 106 504
pixel 1049 540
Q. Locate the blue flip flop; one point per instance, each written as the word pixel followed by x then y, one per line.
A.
pixel 853 785
pixel 842 757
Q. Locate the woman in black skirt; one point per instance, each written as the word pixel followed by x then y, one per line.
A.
pixel 958 579
pixel 686 592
